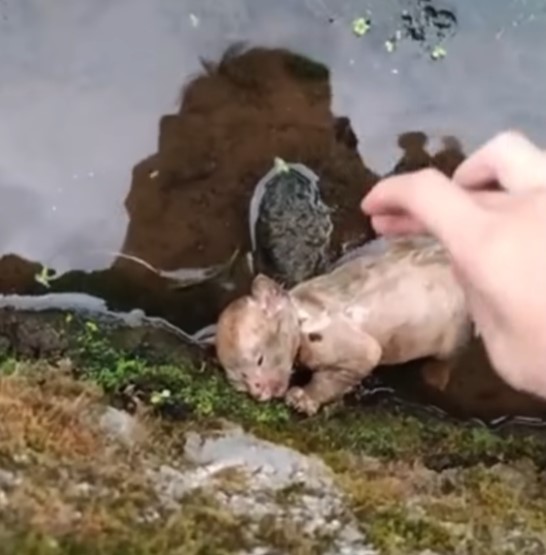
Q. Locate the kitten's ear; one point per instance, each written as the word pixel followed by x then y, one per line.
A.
pixel 269 295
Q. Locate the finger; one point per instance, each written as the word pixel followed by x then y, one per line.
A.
pixel 397 225
pixel 509 159
pixel 401 223
pixel 429 197
pixel 492 199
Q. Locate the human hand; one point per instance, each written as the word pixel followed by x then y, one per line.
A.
pixel 496 239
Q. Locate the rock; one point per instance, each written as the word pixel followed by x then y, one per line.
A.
pixel 290 225
pixel 275 483
pixel 82 490
pixel 120 426
pixel 8 479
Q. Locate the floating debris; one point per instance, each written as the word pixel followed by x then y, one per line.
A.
pixel 186 277
pixel 281 166
pixel 392 43
pixel 206 335
pixel 181 278
pixel 45 276
pixel 189 277
pixel 438 52
pixel 194 20
pixel 361 26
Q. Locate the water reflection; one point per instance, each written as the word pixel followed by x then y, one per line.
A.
pixel 77 111
pixel 101 151
pixel 188 202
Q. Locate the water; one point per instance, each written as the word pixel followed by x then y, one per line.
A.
pixel 114 139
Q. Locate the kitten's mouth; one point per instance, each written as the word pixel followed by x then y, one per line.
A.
pixel 281 389
pixel 274 391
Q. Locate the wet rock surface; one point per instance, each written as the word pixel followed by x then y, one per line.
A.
pixel 290 226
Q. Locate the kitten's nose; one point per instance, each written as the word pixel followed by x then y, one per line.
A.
pixel 261 390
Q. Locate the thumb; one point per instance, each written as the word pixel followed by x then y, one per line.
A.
pixel 443 208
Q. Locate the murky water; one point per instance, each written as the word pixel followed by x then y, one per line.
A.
pixel 116 137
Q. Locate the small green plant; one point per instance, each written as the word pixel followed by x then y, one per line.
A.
pixel 45 276
pixel 361 26
pixel 281 166
pixel 438 52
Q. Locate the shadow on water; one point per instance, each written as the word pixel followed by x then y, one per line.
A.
pixel 76 120
pixel 188 202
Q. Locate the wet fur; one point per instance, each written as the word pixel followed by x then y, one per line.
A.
pixel 391 302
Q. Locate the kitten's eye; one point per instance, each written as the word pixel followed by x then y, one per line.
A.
pixel 260 360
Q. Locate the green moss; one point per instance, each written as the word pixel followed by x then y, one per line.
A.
pixel 390 434
pixel 201 395
pixel 52 440
pixel 287 537
pixel 8 366
pixel 405 508
pixel 200 527
pixel 402 505
pixel 393 530
pixel 46 416
pixel 182 389
pixel 500 498
pixel 175 387
pixel 381 500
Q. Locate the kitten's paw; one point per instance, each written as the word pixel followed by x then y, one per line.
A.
pixel 300 401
